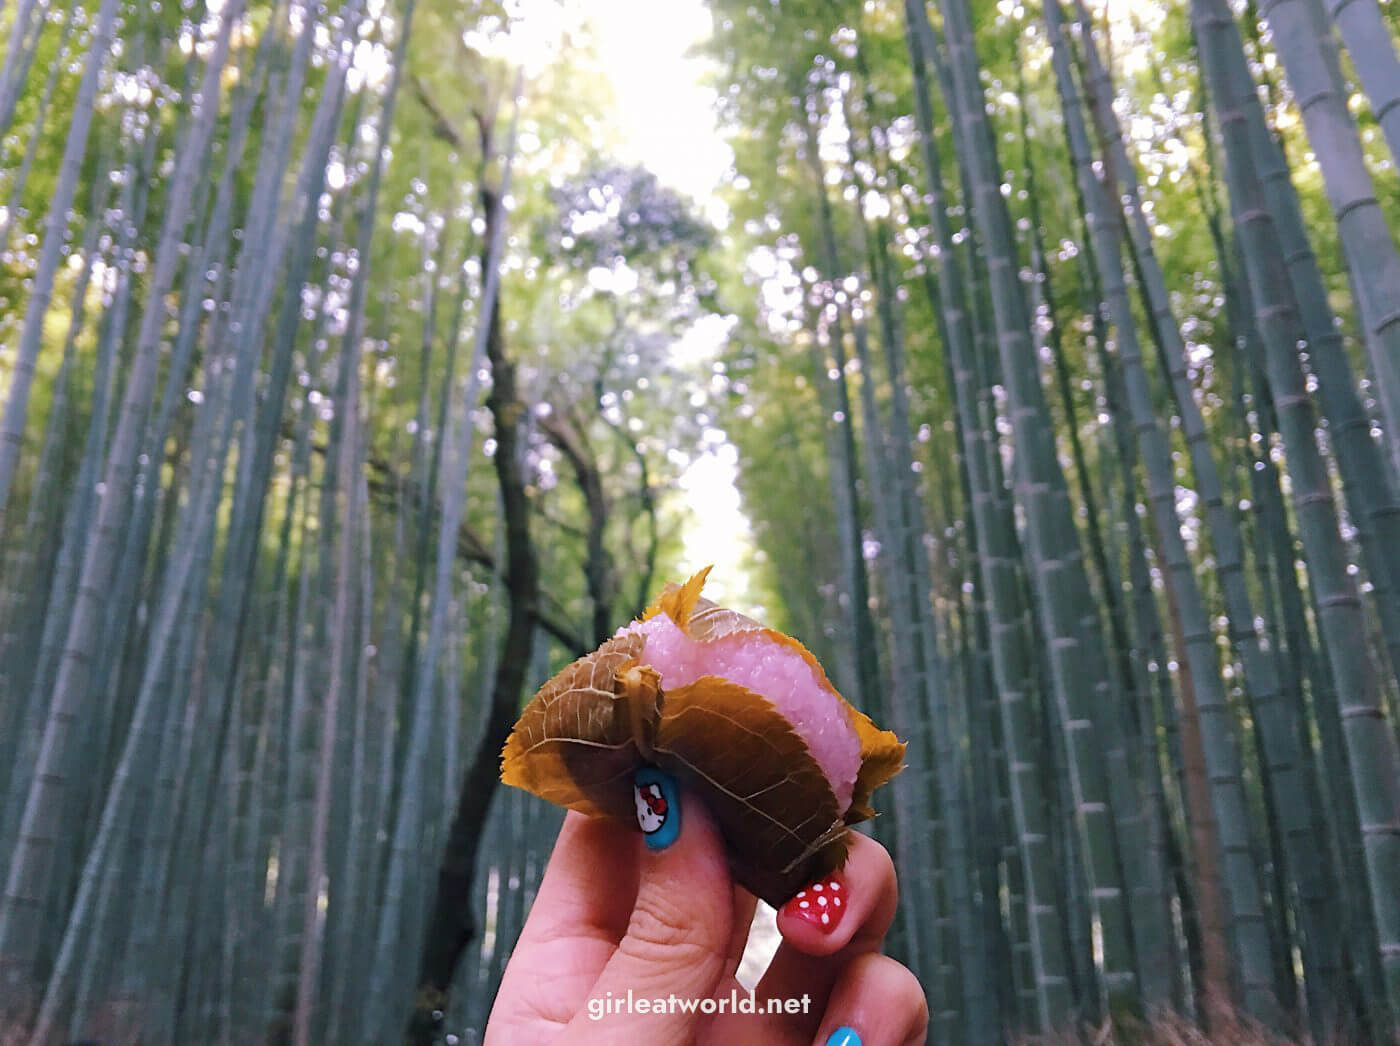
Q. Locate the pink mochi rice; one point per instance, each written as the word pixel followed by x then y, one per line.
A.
pixel 767 667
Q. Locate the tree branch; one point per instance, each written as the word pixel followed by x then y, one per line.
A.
pixel 598 570
pixel 442 127
pixel 384 483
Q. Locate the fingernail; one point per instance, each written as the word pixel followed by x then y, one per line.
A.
pixel 843 1036
pixel 658 806
pixel 822 904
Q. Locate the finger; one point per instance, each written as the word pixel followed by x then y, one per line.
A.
pixel 589 850
pixel 876 1002
pixel 814 954
pixel 858 902
pixel 576 921
pixel 679 934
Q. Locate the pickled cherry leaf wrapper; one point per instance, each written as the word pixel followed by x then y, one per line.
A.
pixel 882 754
pixel 576 743
pixel 881 757
pixel 754 774
pixel 580 739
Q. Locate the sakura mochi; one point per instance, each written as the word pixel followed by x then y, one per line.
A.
pixel 759 661
pixel 742 716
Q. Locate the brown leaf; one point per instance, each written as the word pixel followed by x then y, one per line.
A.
pixel 579 740
pixel 881 752
pixel 677 601
pixel 709 622
pixel 759 782
pixel 881 757
pixel 701 618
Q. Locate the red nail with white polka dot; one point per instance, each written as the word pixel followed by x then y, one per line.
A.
pixel 821 904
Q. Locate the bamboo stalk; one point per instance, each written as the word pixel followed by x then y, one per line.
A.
pixel 1371 744
pixel 50 254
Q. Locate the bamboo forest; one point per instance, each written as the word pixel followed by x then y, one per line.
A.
pixel 364 363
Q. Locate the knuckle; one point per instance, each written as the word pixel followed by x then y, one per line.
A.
pixel 911 994
pixel 886 879
pixel 906 995
pixel 662 931
pixel 898 988
pixel 880 886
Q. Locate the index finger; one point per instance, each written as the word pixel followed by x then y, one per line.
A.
pixel 580 913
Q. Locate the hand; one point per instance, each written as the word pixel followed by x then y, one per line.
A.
pixel 659 916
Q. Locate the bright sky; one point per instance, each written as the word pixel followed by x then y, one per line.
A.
pixel 663 111
pixel 664 118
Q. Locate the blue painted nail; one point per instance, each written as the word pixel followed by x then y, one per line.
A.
pixel 843 1036
pixel 658 807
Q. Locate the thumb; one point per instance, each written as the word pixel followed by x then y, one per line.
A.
pixel 678 937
